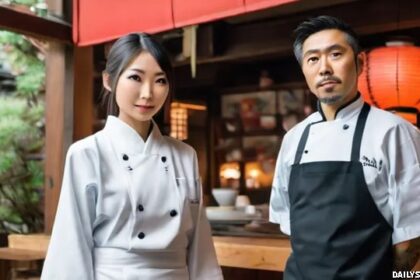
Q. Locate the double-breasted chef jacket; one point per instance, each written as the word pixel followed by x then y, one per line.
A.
pixel 341 186
pixel 130 210
pixel 389 153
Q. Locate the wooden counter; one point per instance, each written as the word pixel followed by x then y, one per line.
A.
pixel 29 247
pixel 253 253
pixel 23 251
pixel 242 252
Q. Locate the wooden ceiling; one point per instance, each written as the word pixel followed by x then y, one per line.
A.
pixel 247 43
pixel 32 25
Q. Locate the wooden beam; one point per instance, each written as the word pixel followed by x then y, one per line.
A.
pixel 32 25
pixel 287 9
pixel 83 93
pixel 378 16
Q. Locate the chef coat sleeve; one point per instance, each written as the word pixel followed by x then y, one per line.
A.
pixel 202 261
pixel 69 254
pixel 402 146
pixel 279 198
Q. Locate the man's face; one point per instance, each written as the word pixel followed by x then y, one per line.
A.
pixel 329 67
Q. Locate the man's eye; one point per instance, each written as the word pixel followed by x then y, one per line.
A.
pixel 312 59
pixel 336 54
pixel 135 78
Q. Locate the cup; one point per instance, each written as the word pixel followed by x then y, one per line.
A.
pixel 250 210
pixel 242 201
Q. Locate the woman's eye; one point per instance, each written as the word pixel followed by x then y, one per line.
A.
pixel 135 78
pixel 162 81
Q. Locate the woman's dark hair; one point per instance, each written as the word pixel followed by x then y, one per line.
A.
pixel 320 23
pixel 123 52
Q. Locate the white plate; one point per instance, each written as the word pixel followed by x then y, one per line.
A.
pixel 228 214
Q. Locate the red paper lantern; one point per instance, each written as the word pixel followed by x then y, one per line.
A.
pixel 391 77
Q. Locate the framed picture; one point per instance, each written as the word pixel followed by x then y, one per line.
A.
pixel 249 107
pixel 233 105
pixel 259 148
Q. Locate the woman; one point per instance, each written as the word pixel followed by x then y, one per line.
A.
pixel 130 205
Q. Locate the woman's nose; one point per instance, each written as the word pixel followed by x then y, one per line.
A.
pixel 146 91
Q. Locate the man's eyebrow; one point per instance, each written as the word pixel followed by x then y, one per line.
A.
pixel 328 49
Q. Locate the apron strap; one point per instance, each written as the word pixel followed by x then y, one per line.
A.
pixel 358 133
pixel 302 144
pixel 357 137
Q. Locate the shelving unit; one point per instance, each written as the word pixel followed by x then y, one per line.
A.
pixel 248 134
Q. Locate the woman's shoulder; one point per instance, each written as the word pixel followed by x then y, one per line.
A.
pixel 177 145
pixel 85 146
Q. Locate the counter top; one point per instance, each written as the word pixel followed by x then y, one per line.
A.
pixel 242 252
pixel 252 253
pixel 25 247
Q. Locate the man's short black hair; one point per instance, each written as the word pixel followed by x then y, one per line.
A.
pixel 320 23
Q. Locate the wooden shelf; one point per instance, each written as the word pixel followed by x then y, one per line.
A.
pixel 254 88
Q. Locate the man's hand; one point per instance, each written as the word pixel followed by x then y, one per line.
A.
pixel 406 254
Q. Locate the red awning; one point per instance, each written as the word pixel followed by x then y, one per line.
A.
pixel 97 21
pixel 188 12
pixel 254 5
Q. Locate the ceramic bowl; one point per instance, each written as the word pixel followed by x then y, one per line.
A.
pixel 225 197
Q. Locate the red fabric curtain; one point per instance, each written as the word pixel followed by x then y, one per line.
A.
pixel 97 21
pixel 187 12
pixel 253 5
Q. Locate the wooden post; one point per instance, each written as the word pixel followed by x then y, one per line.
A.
pixel 58 117
pixel 69 114
pixel 84 115
pixel 59 124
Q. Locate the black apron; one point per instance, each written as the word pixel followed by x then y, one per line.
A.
pixel 337 231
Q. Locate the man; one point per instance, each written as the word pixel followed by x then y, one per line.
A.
pixel 347 181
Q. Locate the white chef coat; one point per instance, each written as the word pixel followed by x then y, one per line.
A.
pixel 130 210
pixel 389 153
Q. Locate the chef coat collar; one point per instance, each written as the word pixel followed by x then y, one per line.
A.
pixel 345 111
pixel 126 139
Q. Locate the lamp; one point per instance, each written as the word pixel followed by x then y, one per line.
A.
pixel 179 122
pixel 179 118
pixel 230 174
pixel 391 78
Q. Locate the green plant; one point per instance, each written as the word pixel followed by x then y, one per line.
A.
pixel 27 63
pixel 22 137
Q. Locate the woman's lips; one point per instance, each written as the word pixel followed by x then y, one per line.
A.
pixel 144 108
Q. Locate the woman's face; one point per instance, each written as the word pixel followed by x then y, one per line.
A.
pixel 141 90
